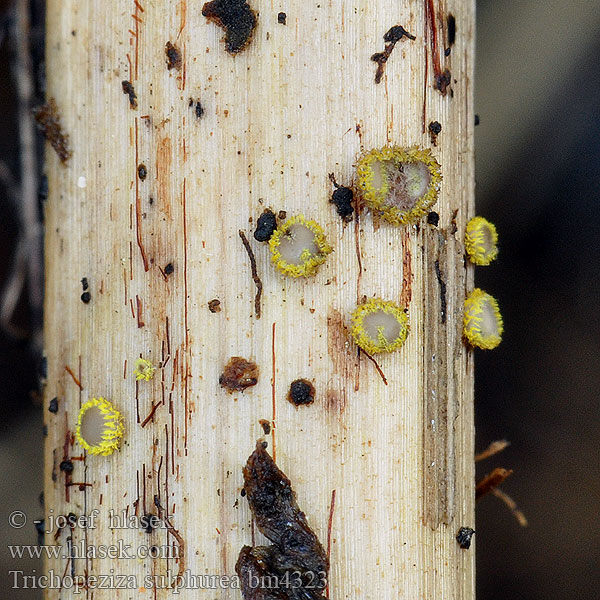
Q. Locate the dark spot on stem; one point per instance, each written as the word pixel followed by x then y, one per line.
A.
pixel 86 297
pixel 172 56
pixel 48 121
pixel 265 226
pixel 433 218
pixel 476 120
pixel 434 130
pixel 442 81
pixel 236 18
pixel 391 37
pixel 442 283
pixel 129 91
pixel 451 24
pixel 169 268
pixel 295 551
pixel 464 537
pixel 301 392
pixel 198 108
pixel 281 18
pixel 66 466
pixel 84 284
pixel 266 425
pixel 342 198
pixel 142 171
pixel 53 406
pixel 238 375
pixel 214 306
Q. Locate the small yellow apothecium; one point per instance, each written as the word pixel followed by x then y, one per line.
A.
pixel 299 247
pixel 144 369
pixel 379 326
pixel 99 427
pixel 482 321
pixel 481 241
pixel 401 183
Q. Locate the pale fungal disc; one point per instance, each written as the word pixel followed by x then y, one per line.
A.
pixel 489 320
pixel 92 426
pixel 378 321
pixel 296 243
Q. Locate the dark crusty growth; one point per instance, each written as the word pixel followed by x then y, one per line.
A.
pixel 295 566
pixel 238 374
pixel 236 18
pixel 301 392
pixel 48 119
pixel 266 225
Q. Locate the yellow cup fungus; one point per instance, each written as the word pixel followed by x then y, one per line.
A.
pixel 379 326
pixel 482 321
pixel 99 427
pixel 481 241
pixel 400 183
pixel 299 247
pixel 144 369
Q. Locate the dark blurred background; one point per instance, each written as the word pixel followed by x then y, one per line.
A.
pixel 538 174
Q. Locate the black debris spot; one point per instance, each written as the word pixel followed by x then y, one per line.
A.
pixel 198 108
pixel 301 392
pixel 172 56
pixel 281 18
pixel 396 33
pixel 433 218
pixel 66 466
pixel 442 284
pixel 391 37
pixel 265 226
pixel 48 121
pixel 149 522
pixel 169 268
pixel 442 81
pixel 342 197
pixel 282 215
pixel 236 18
pixel 86 297
pixel 451 25
pixel 53 405
pixel 214 306
pixel 266 425
pixel 238 374
pixel 84 283
pixel 464 536
pixel 295 551
pixel 434 129
pixel 40 527
pixel 447 52
pixel 142 171
pixel 128 89
pixel 476 120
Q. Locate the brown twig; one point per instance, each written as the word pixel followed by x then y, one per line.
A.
pixel 255 276
pixel 492 449
pixel 512 505
pixel 491 481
